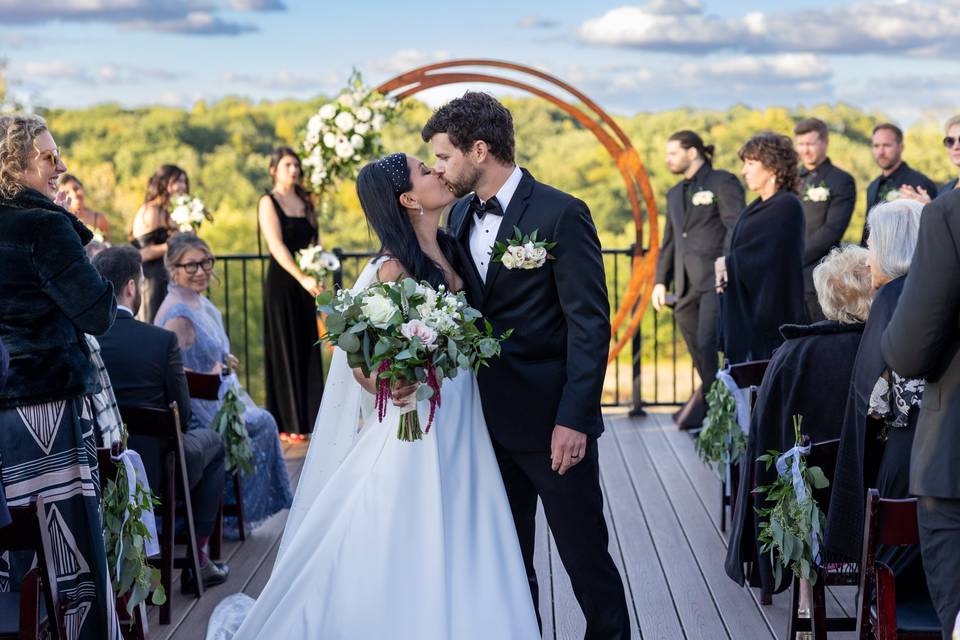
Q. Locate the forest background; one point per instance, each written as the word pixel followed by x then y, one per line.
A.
pixel 224 147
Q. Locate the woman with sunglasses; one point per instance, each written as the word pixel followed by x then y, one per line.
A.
pixel 151 229
pixel 203 340
pixel 951 141
pixel 50 295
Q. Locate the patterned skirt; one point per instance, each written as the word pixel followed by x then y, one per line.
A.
pixel 49 450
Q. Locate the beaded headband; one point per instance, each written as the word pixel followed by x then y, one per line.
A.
pixel 395 166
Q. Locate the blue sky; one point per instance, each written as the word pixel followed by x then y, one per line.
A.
pixel 893 55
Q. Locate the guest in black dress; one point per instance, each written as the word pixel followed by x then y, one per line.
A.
pixel 809 375
pixel 151 229
pixel 761 277
pixel 294 365
pixel 882 409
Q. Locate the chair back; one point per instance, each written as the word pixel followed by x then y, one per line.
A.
pixel 28 531
pixel 896 521
pixel 824 455
pixel 203 386
pixel 749 375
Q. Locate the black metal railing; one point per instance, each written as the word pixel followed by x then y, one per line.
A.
pixel 655 371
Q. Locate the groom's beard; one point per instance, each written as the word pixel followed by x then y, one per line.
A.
pixel 467 183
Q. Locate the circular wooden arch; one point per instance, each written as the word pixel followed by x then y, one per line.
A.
pixel 607 132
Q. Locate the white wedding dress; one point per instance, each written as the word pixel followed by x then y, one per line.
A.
pixel 392 539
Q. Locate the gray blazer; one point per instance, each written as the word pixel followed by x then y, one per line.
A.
pixel 922 341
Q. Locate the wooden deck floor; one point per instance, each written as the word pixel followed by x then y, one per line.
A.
pixel 662 511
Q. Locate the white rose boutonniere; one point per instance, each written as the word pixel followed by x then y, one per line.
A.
pixel 819 193
pixel 703 197
pixel 522 251
pixel 893 194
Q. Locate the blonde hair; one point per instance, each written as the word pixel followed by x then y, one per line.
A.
pixel 178 245
pixel 955 120
pixel 843 285
pixel 18 133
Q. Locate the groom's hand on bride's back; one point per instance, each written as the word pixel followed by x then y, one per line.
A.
pixel 567 448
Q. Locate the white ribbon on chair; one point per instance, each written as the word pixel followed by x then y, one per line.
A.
pixel 741 396
pixel 133 465
pixel 799 486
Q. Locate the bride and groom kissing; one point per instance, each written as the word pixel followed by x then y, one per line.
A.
pixel 435 539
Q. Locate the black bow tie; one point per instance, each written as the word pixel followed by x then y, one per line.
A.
pixel 483 208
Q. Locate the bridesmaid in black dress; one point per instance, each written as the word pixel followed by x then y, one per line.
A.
pixel 294 366
pixel 151 229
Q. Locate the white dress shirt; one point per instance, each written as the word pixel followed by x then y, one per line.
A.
pixel 483 232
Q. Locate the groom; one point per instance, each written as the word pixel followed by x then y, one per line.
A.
pixel 541 398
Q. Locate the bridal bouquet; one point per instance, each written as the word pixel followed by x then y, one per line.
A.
pixel 189 213
pixel 316 262
pixel 343 132
pixel 406 330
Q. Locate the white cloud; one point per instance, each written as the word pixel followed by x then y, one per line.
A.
pixel 191 17
pixel 405 60
pixel 305 83
pixel 886 27
pixel 535 22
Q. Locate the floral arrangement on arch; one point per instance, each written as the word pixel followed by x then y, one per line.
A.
pixel 344 133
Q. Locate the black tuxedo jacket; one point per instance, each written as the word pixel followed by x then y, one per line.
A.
pixel 923 341
pixel 695 236
pixel 882 185
pixel 551 369
pixel 826 222
pixel 145 366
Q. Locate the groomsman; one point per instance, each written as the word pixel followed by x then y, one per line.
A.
pixel 888 154
pixel 828 195
pixel 701 212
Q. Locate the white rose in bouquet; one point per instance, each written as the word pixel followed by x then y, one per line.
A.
pixel 346 99
pixel 330 140
pixel 363 128
pixel 344 121
pixel 356 141
pixel 378 310
pixel 327 111
pixel 378 121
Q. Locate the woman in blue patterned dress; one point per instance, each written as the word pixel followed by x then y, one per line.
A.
pixel 206 349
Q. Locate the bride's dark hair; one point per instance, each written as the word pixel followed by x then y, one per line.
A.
pixel 380 185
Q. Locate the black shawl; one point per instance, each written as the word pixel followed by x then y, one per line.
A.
pixel 808 375
pixel 855 462
pixel 764 278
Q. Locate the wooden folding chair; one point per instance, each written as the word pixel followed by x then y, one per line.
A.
pixel 206 386
pixel 907 616
pixel 35 611
pixel 164 427
pixel 823 455
pixel 747 375
pixel 133 627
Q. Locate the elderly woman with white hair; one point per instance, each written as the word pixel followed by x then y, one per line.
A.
pixel 883 407
pixel 809 375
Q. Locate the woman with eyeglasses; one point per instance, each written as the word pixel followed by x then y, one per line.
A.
pixel 203 340
pixel 152 228
pixel 50 295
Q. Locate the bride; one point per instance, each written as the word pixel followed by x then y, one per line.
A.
pixel 393 539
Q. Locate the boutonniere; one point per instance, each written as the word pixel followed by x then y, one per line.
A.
pixel 702 197
pixel 522 251
pixel 819 193
pixel 890 194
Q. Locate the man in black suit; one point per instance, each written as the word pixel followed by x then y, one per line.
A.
pixel 888 153
pixel 146 369
pixel 923 341
pixel 701 212
pixel 828 194
pixel 541 398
